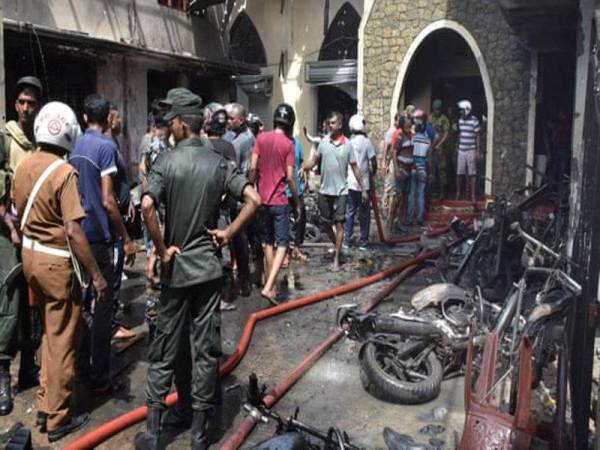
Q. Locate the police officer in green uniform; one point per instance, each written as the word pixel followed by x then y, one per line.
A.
pixel 190 181
pixel 16 142
pixel 442 152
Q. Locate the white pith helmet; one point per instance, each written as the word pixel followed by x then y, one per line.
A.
pixel 357 123
pixel 466 105
pixel 56 124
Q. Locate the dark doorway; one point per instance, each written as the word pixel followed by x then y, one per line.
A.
pixel 67 74
pixel 341 42
pixel 331 98
pixel 554 114
pixel 444 68
pixel 159 84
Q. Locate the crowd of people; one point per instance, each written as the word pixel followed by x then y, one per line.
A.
pixel 418 158
pixel 209 177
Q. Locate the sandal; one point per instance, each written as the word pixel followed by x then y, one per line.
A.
pixel 271 298
pixel 302 257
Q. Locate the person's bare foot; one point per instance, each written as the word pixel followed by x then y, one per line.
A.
pixel 270 295
pixel 124 333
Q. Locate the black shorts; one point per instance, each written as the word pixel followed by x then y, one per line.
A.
pixel 332 208
pixel 275 221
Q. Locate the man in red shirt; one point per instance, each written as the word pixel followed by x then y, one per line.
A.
pixel 272 168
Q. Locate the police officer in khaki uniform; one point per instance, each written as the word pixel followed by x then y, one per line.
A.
pixel 16 142
pixel 49 208
pixel 190 181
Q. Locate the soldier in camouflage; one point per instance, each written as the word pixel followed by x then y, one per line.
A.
pixel 16 142
pixel 442 152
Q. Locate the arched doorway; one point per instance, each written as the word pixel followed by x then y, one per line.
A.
pixel 444 61
pixel 340 43
pixel 245 45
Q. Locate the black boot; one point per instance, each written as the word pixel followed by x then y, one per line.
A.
pixel 29 376
pixel 148 440
pixel 6 400
pixel 178 417
pixel 199 425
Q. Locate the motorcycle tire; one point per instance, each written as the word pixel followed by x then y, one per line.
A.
pixel 312 233
pixel 389 388
pixel 495 287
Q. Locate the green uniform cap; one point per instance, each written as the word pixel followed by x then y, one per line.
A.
pixel 182 101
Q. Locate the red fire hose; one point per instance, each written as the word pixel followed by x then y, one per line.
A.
pixel 248 424
pixel 403 240
pixel 105 431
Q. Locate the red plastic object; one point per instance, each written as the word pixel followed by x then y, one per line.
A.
pixel 486 427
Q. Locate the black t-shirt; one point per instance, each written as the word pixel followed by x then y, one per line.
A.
pixel 224 148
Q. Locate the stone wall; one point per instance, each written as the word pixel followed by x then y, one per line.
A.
pixel 390 30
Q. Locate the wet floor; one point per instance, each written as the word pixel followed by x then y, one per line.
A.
pixel 330 394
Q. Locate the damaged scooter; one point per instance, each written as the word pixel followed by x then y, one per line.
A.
pixel 405 355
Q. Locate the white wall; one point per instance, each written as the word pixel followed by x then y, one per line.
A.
pixel 299 30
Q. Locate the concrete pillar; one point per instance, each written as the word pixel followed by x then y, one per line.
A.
pixel 124 82
pixel 137 112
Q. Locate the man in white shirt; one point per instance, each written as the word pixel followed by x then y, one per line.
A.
pixel 364 154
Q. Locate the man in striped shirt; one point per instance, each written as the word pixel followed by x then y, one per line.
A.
pixel 469 150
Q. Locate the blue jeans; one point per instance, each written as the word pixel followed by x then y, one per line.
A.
pixel 416 197
pixel 119 260
pixel 355 204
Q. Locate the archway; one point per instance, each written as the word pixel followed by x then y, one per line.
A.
pixel 459 71
pixel 340 43
pixel 245 44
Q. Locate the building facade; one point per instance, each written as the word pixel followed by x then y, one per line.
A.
pixel 393 34
pixel 284 39
pixel 130 51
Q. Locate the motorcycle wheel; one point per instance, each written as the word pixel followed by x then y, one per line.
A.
pixel 495 287
pixel 312 233
pixel 382 379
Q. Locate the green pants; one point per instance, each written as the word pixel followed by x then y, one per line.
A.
pixel 188 318
pixel 445 160
pixel 15 318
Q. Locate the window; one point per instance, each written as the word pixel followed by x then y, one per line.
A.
pixel 341 40
pixel 245 44
pixel 181 5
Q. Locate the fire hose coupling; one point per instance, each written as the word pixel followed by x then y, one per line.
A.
pixel 255 414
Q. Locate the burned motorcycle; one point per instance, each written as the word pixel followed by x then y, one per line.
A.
pixel 406 355
pixel 292 434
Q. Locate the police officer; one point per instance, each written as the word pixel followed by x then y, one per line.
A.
pixel 47 201
pixel 190 181
pixel 16 142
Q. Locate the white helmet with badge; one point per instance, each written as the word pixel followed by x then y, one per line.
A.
pixel 56 124
pixel 466 105
pixel 357 123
